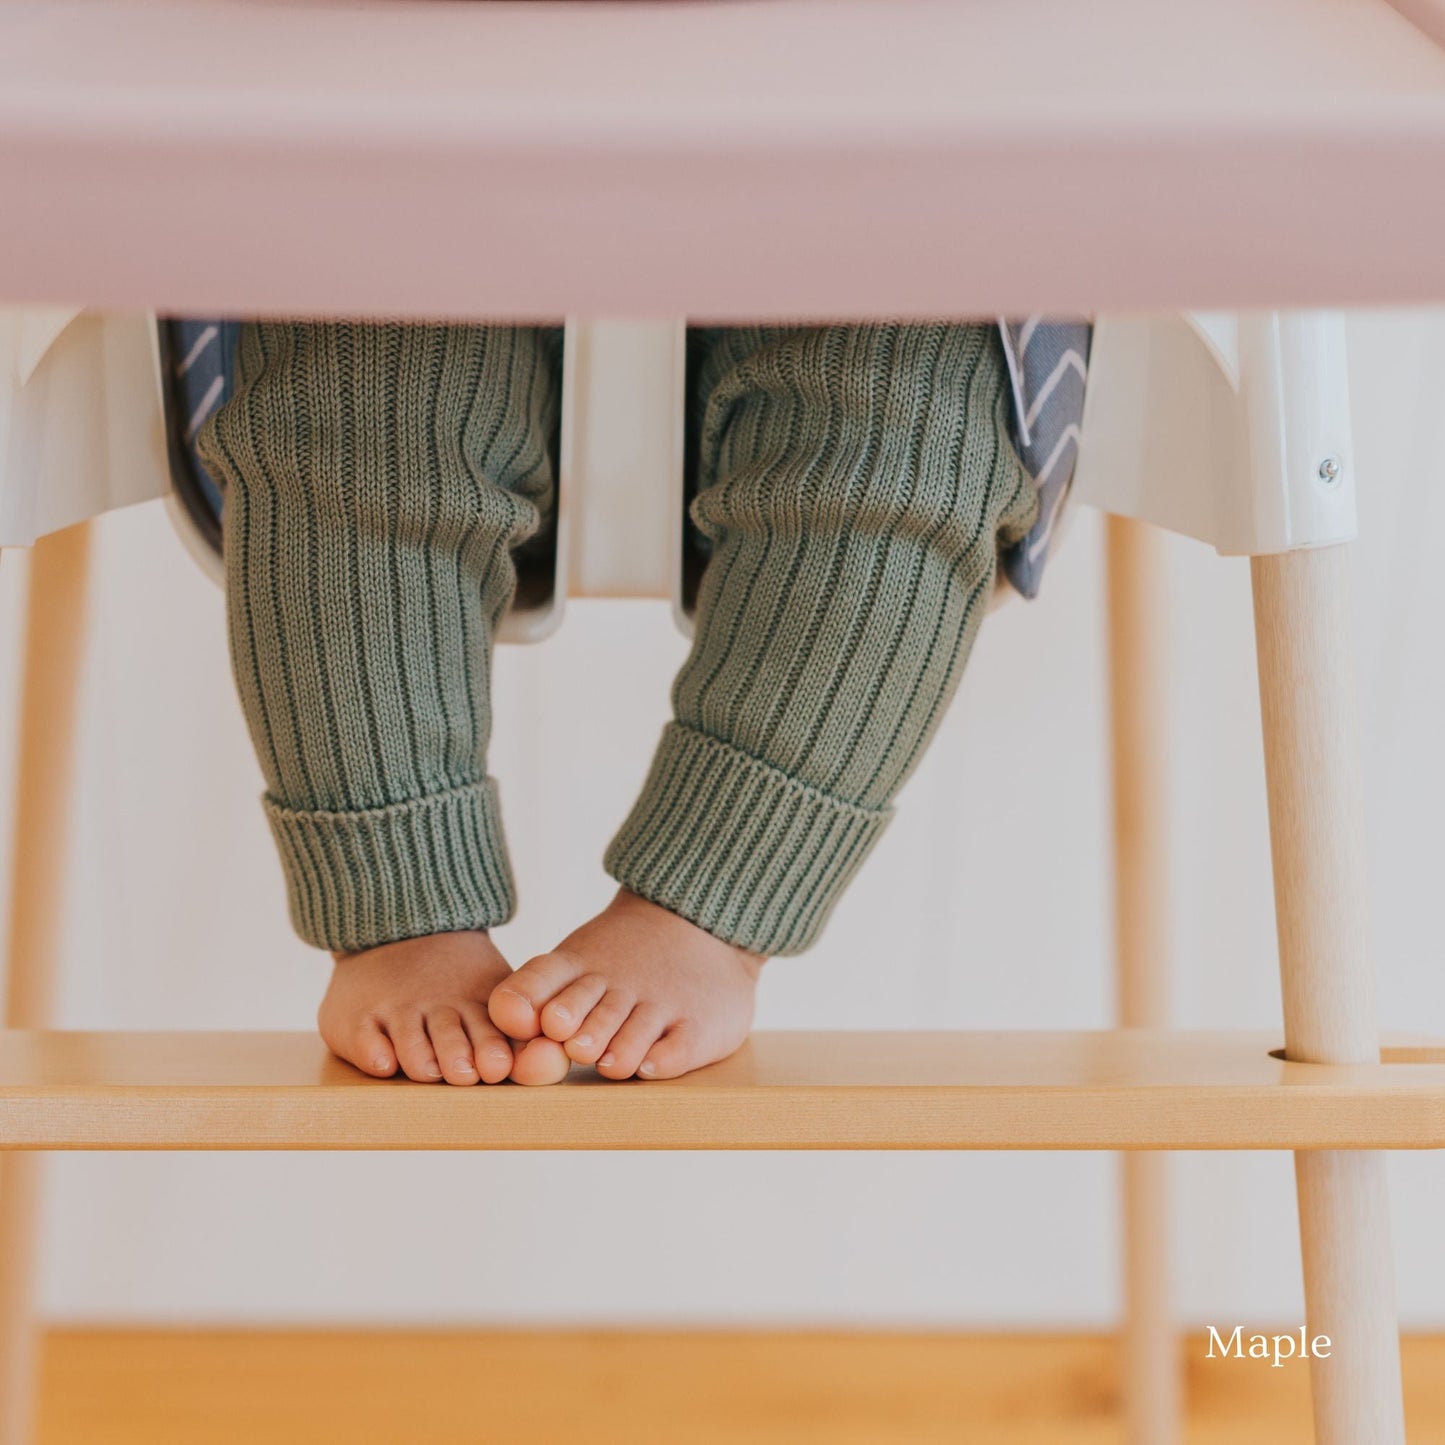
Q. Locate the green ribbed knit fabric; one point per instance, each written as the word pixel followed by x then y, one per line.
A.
pixel 377 478
pixel 855 484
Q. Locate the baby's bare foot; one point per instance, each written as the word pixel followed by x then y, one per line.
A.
pixel 638 990
pixel 421 1005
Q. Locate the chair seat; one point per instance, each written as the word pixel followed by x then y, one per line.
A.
pixel 1131 1089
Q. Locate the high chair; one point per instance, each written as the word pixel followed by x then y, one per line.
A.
pixel 600 142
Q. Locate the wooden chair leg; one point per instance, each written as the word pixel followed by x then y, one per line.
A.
pixel 1303 626
pixel 54 648
pixel 19 1208
pixel 1137 657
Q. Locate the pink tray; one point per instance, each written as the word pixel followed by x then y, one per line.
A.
pixel 720 157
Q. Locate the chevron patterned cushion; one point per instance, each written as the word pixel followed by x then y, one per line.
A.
pixel 1048 363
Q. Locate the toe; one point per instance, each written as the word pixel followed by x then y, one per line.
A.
pixel 595 1035
pixel 489 1046
pixel 632 1041
pixel 562 1017
pixel 677 1052
pixel 542 1061
pixel 414 1050
pixel 367 1046
pixel 516 1003
pixel 451 1046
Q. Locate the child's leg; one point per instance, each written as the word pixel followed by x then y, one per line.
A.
pixel 377 477
pixel 856 484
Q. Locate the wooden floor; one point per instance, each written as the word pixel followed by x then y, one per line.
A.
pixel 286 1388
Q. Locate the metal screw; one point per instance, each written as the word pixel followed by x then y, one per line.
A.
pixel 1330 471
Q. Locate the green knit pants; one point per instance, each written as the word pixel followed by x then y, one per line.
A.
pixel 855 483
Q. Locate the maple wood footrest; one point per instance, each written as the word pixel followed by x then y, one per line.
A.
pixel 1132 1089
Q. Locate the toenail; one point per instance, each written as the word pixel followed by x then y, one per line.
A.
pixel 561 1013
pixel 583 1041
pixel 463 1066
pixel 648 1069
pixel 382 1062
pixel 607 1059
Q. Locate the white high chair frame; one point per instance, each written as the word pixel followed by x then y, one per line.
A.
pixel 583 176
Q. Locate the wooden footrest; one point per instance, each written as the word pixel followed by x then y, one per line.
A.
pixel 1134 1089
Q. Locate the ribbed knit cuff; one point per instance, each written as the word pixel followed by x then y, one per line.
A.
pixel 430 865
pixel 738 847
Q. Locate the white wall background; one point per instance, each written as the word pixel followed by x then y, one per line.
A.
pixel 984 907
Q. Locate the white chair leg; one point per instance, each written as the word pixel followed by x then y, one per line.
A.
pixel 1137 655
pixel 54 648
pixel 1303 626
